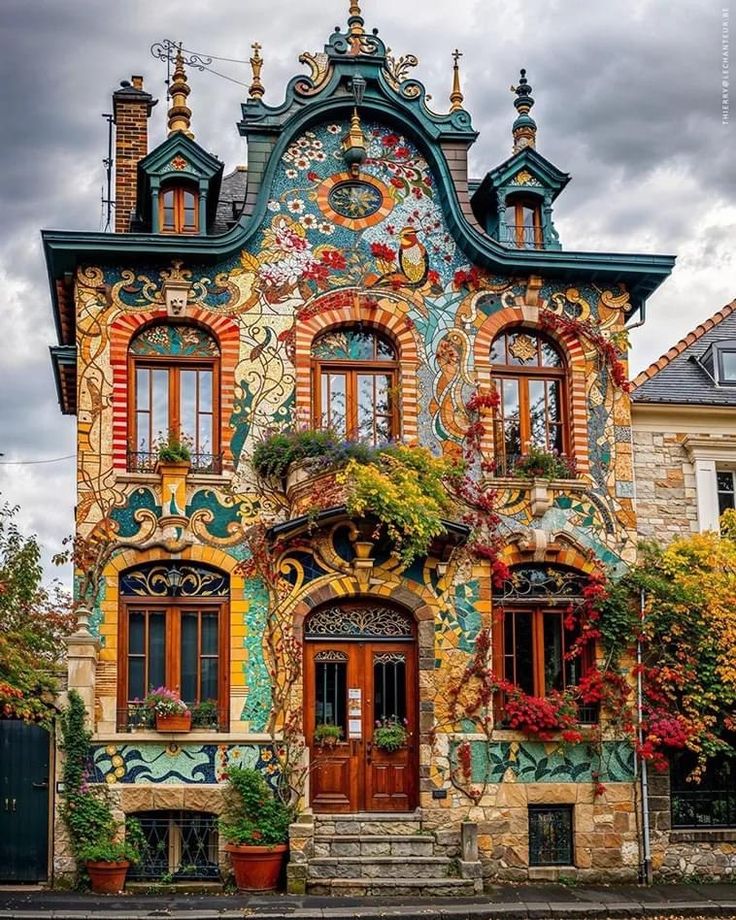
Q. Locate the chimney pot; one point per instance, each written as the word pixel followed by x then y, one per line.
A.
pixel 137 81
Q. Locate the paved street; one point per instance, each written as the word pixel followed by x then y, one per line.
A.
pixel 527 902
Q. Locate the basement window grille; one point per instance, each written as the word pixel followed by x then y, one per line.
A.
pixel 550 835
pixel 181 846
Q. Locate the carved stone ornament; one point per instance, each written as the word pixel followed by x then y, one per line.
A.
pixel 175 290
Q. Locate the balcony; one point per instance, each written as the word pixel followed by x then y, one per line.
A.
pixel 147 462
pixel 136 717
pixel 523 237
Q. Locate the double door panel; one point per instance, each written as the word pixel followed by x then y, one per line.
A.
pixel 356 687
pixel 24 802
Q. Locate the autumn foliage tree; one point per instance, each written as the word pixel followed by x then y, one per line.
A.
pixel 33 622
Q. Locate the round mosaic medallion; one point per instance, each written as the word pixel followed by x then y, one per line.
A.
pixel 354 203
pixel 355 199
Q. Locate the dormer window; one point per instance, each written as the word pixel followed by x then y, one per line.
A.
pixel 719 361
pixel 524 222
pixel 727 366
pixel 179 210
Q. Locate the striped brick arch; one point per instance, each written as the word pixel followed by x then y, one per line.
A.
pixel 122 331
pixel 569 345
pixel 351 307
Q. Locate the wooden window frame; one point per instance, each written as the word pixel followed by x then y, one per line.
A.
pixel 537 612
pixel 352 371
pixel 525 374
pixel 174 366
pixel 518 203
pixel 178 192
pixel 173 608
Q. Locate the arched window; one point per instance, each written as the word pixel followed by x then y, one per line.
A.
pixel 524 222
pixel 355 376
pixel 174 393
pixel 534 632
pixel 529 375
pixel 178 209
pixel 174 633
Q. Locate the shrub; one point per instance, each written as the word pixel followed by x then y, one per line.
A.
pixel 252 815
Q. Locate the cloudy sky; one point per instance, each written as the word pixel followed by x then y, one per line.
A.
pixel 628 101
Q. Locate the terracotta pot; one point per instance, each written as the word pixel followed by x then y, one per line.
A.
pixel 257 868
pixel 174 723
pixel 107 877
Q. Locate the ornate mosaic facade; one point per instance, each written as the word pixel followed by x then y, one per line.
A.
pixel 320 246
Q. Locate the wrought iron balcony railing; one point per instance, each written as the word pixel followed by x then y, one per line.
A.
pixel 137 717
pixel 523 237
pixel 146 461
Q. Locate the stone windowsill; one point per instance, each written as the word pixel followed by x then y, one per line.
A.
pixel 195 736
pixel 558 485
pixel 210 479
pixel 704 835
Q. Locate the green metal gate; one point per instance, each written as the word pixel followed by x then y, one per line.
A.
pixel 24 802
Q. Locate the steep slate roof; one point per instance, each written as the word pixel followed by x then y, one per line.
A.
pixel 676 378
pixel 231 201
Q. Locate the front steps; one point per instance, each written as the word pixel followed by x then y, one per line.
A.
pixel 375 855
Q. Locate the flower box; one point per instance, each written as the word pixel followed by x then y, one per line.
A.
pixel 178 722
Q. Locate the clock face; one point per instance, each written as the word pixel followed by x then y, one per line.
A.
pixel 355 199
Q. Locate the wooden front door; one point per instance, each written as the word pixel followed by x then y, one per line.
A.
pixel 354 686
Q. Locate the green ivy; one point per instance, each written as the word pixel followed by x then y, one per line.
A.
pixel 252 815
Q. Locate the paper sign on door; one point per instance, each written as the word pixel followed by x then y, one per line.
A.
pixel 354 728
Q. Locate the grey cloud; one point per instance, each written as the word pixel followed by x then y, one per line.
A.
pixel 628 101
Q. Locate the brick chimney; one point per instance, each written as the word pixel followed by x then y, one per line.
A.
pixel 131 107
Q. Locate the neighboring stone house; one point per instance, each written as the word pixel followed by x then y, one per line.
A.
pixel 684 417
pixel 347 279
pixel 684 425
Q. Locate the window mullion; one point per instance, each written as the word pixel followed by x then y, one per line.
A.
pixel 174 405
pixel 538 650
pixel 173 651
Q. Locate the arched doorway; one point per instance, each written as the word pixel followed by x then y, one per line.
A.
pixel 360 670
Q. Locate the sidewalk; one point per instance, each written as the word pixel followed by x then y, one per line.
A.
pixel 526 902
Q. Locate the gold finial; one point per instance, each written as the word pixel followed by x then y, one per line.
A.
pixel 356 23
pixel 456 96
pixel 353 145
pixel 257 88
pixel 179 112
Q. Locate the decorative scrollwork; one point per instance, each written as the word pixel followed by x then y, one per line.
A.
pixel 173 579
pixel 320 73
pixel 364 622
pixel 389 658
pixel 166 51
pixel 398 69
pixel 542 583
pixel 331 655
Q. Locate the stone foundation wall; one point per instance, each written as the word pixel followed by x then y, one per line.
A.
pixel 604 830
pixel 666 496
pixel 696 854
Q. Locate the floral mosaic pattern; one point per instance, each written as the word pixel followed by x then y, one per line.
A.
pixel 536 762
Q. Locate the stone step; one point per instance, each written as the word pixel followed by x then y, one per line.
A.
pixel 381 867
pixel 399 886
pixel 373 844
pixel 359 824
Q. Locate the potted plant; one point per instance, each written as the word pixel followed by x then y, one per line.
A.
pixel 107 860
pixel 327 735
pixel 205 715
pixel 173 449
pixel 171 713
pixel 390 734
pixel 256 826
